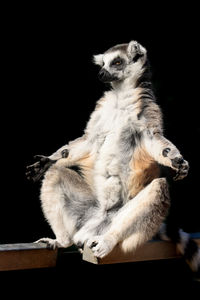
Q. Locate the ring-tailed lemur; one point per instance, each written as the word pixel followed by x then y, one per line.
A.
pixel 104 188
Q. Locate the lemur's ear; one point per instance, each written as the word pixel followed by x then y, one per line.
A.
pixel 135 49
pixel 98 59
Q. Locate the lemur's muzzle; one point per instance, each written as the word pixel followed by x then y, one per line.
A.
pixel 105 76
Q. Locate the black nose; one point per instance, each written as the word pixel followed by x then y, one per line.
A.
pixel 103 75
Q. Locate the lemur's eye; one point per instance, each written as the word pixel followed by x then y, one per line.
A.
pixel 117 62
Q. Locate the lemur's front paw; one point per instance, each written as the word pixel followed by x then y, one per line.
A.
pixel 101 245
pixel 35 171
pixel 181 166
pixel 178 163
pixel 81 237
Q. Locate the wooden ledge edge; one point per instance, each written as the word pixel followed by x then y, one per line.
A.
pixel 152 250
pixel 26 256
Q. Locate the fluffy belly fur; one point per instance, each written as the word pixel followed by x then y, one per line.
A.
pixel 143 169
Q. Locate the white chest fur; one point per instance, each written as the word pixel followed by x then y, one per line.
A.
pixel 118 113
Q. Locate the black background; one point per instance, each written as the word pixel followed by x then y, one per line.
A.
pixel 50 87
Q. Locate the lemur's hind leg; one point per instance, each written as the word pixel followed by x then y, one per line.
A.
pixel 67 202
pixel 137 221
pixel 51 196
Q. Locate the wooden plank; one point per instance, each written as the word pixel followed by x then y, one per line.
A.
pixel 153 250
pixel 26 256
pixel 32 255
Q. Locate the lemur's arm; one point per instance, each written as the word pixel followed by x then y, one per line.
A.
pixel 76 148
pixel 165 153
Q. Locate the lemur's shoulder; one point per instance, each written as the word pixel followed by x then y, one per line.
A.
pixel 150 111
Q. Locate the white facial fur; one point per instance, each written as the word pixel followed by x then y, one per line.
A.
pixel 98 59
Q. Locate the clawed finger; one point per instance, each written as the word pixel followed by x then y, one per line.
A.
pixel 181 174
pixel 33 166
pixel 34 174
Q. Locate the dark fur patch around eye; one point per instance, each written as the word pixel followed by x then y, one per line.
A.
pixel 115 60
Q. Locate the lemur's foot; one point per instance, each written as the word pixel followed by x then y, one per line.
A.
pixel 80 238
pixel 178 163
pixel 54 243
pixel 101 245
pixel 36 171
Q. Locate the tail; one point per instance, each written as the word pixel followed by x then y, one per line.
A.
pixel 185 245
pixel 190 250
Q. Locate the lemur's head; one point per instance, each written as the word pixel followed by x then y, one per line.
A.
pixel 121 62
